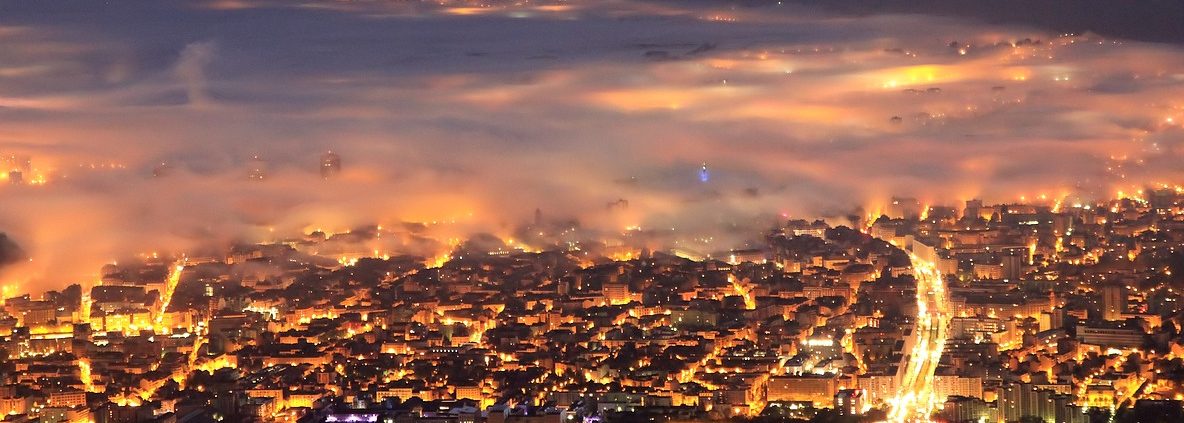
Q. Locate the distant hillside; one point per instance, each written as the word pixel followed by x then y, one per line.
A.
pixel 1146 20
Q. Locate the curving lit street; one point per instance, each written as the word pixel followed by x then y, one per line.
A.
pixel 916 400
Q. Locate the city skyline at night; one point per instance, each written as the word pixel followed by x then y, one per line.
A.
pixel 555 211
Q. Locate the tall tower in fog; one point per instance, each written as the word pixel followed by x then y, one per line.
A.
pixel 330 165
pixel 256 169
pixel 15 168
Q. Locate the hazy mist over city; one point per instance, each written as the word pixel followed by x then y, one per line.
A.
pixel 481 115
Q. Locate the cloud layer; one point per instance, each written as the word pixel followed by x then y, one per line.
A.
pixel 480 115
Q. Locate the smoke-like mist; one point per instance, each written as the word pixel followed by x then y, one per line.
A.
pixel 474 117
pixel 191 69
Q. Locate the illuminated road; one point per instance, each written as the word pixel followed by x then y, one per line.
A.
pixel 916 400
pixel 170 287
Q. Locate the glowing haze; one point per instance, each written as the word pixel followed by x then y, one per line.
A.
pixel 475 116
